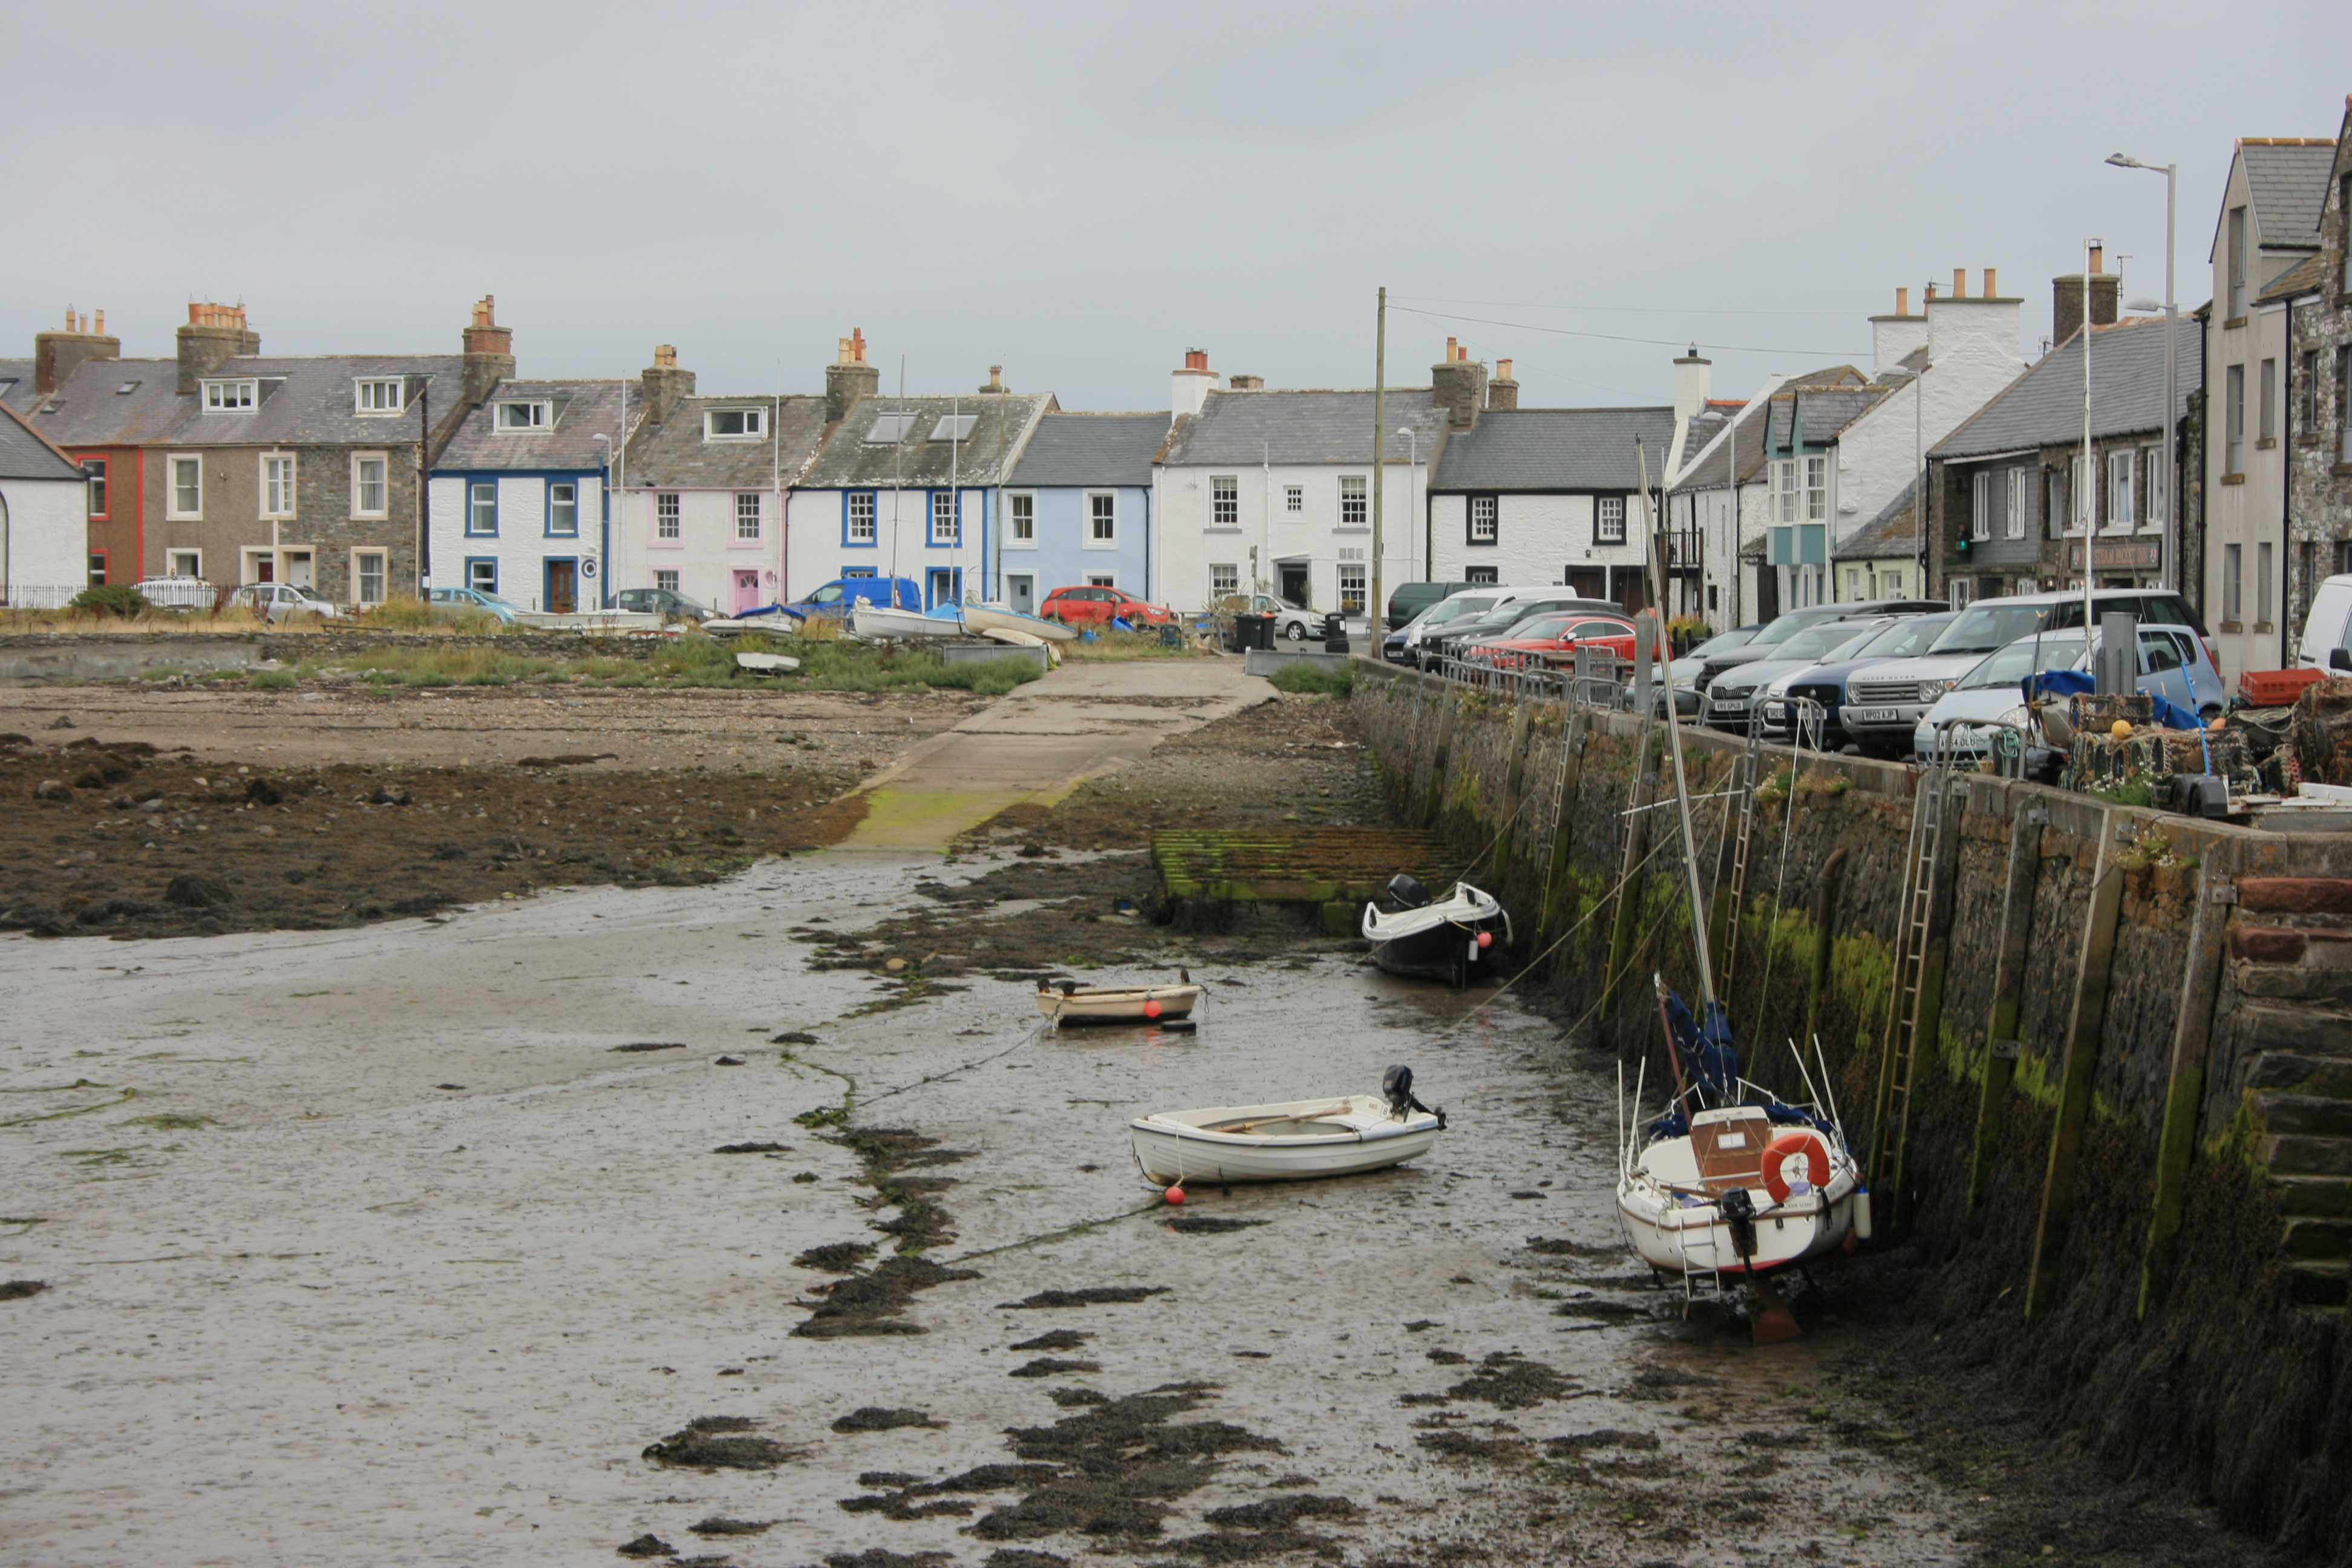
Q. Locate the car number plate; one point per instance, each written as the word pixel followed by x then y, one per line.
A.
pixel 1873 715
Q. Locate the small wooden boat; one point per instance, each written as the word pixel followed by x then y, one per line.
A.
pixel 1070 1002
pixel 988 617
pixel 1289 1140
pixel 1443 940
pixel 881 621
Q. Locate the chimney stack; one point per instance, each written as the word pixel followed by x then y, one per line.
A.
pixel 1502 392
pixel 1960 282
pixel 2066 299
pixel 57 354
pixel 664 384
pixel 848 377
pixel 1693 381
pixel 1245 384
pixel 490 352
pixel 1189 388
pixel 1458 385
pixel 995 380
pixel 213 335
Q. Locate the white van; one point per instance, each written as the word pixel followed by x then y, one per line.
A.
pixel 2328 630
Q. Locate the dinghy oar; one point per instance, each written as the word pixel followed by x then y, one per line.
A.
pixel 1289 1116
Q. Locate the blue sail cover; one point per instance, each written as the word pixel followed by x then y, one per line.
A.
pixel 2075 683
pixel 1708 1052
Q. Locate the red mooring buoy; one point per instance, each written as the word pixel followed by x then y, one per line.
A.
pixel 1151 1006
pixel 1486 939
pixel 1174 1195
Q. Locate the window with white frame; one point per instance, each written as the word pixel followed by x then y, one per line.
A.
pixel 482 576
pixel 1782 503
pixel 230 396
pixel 2233 418
pixel 734 424
pixel 2266 402
pixel 1817 489
pixel 1608 520
pixel 378 395
pixel 482 510
pixel 1486 514
pixel 1980 506
pixel 857 572
pixel 370 492
pixel 1960 593
pixel 1224 500
pixel 2012 517
pixel 666 515
pixel 367 576
pixel 665 581
pixel 1022 512
pixel 184 562
pixel 1351 587
pixel 1481 577
pixel 1102 519
pixel 1102 580
pixel 943 517
pixel 563 510
pixel 1225 579
pixel 93 477
pixel 524 415
pixel 276 484
pixel 747 515
pixel 1293 498
pixel 860 517
pixel 2157 490
pixel 2233 584
pixel 1355 504
pixel 2119 489
pixel 954 426
pixel 187 495
pixel 2265 575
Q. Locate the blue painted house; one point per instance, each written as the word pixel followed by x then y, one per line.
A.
pixel 1077 509
pixel 518 503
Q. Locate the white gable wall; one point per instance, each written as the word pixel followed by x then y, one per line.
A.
pixel 1267 534
pixel 47 540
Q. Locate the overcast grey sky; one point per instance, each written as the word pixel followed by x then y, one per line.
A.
pixel 1080 192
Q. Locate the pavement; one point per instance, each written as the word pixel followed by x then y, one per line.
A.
pixel 1037 743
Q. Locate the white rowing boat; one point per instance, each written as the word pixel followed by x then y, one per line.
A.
pixel 881 621
pixel 989 617
pixel 1290 1141
pixel 1073 1003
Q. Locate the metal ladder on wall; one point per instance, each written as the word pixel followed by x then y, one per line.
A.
pixel 1922 859
pixel 1746 773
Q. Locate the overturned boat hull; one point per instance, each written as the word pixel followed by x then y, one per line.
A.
pixel 996 618
pixel 1289 1140
pixel 878 621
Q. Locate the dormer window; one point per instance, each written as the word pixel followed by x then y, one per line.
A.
pixel 524 416
pixel 734 424
pixel 231 396
pixel 385 395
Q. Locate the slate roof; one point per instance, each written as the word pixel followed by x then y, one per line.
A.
pixel 18 396
pixel 1246 428
pixel 1092 450
pixel 25 456
pixel 1002 422
pixel 1742 455
pixel 1556 450
pixel 311 401
pixel 674 452
pixel 2044 406
pixel 1893 534
pixel 2304 278
pixel 92 410
pixel 582 410
pixel 2288 183
pixel 1818 415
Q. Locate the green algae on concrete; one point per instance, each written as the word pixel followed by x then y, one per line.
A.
pixel 926 819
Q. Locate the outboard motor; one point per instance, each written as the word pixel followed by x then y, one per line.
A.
pixel 1409 894
pixel 1397 1085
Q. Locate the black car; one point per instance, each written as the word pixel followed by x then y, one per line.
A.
pixel 1498 621
pixel 1780 630
pixel 1411 599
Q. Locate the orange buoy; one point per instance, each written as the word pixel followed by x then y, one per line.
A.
pixel 2121 729
pixel 1174 1195
pixel 1486 939
pixel 1151 1006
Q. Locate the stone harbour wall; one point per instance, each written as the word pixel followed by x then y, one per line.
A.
pixel 2128 1175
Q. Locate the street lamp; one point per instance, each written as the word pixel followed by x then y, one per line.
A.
pixel 2170 576
pixel 1412 462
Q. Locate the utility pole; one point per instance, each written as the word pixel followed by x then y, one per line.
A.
pixel 2087 503
pixel 1375 628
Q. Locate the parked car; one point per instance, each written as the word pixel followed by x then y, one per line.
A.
pixel 1736 696
pixel 1824 683
pixel 1551 639
pixel 1411 599
pixel 667 603
pixel 2327 629
pixel 834 600
pixel 1098 607
pixel 1449 640
pixel 454 604
pixel 1685 671
pixel 1885 703
pixel 1291 622
pixel 1404 646
pixel 1783 627
pixel 2173 665
pixel 282 601
pixel 183 594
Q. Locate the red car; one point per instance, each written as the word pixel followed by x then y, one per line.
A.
pixel 1556 635
pixel 1093 606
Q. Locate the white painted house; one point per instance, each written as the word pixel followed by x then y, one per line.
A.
pixel 44 519
pixel 519 498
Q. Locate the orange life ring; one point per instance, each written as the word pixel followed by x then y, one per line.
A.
pixel 1796 1141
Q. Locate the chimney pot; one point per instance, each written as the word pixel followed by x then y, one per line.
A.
pixel 1196 359
pixel 1903 302
pixel 1502 370
pixel 101 322
pixel 1450 356
pixel 1992 288
pixel 2098 258
pixel 70 317
pixel 1960 282
pixel 1931 293
pixel 849 377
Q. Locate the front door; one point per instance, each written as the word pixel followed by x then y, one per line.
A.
pixel 1589 582
pixel 940 587
pixel 562 587
pixel 298 568
pixel 265 569
pixel 1295 583
pixel 746 589
pixel 1021 594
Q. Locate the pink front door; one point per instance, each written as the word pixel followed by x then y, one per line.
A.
pixel 747 591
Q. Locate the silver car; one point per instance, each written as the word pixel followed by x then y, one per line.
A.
pixel 2173 665
pixel 281 602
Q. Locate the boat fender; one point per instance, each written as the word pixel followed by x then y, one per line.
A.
pixel 1787 1146
pixel 1861 1214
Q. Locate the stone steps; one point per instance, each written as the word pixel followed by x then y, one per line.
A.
pixel 2303 1115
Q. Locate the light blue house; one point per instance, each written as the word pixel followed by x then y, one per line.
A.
pixel 1077 509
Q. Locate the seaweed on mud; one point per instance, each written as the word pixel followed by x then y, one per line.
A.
pixel 835 1257
pixel 1114 1465
pixel 646 1545
pixel 1462 1445
pixel 1663 1383
pixel 995 1479
pixel 1092 1296
pixel 1448 1358
pixel 887 1480
pixel 1280 1511
pixel 875 1557
pixel 1508 1382
pixel 900 1506
pixel 720 1442
pixel 1069 1397
pixel 18 1289
pixel 869 1304
pixel 1246 1546
pixel 1207 1225
pixel 1020 1557
pixel 1606 1437
pixel 716 1526
pixel 1558 1246
pixel 1053 1366
pixel 754 1149
pixel 651 1045
pixel 1055 1340
pixel 1600 1311
pixel 874 1418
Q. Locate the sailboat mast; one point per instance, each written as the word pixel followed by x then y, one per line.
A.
pixel 1674 746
